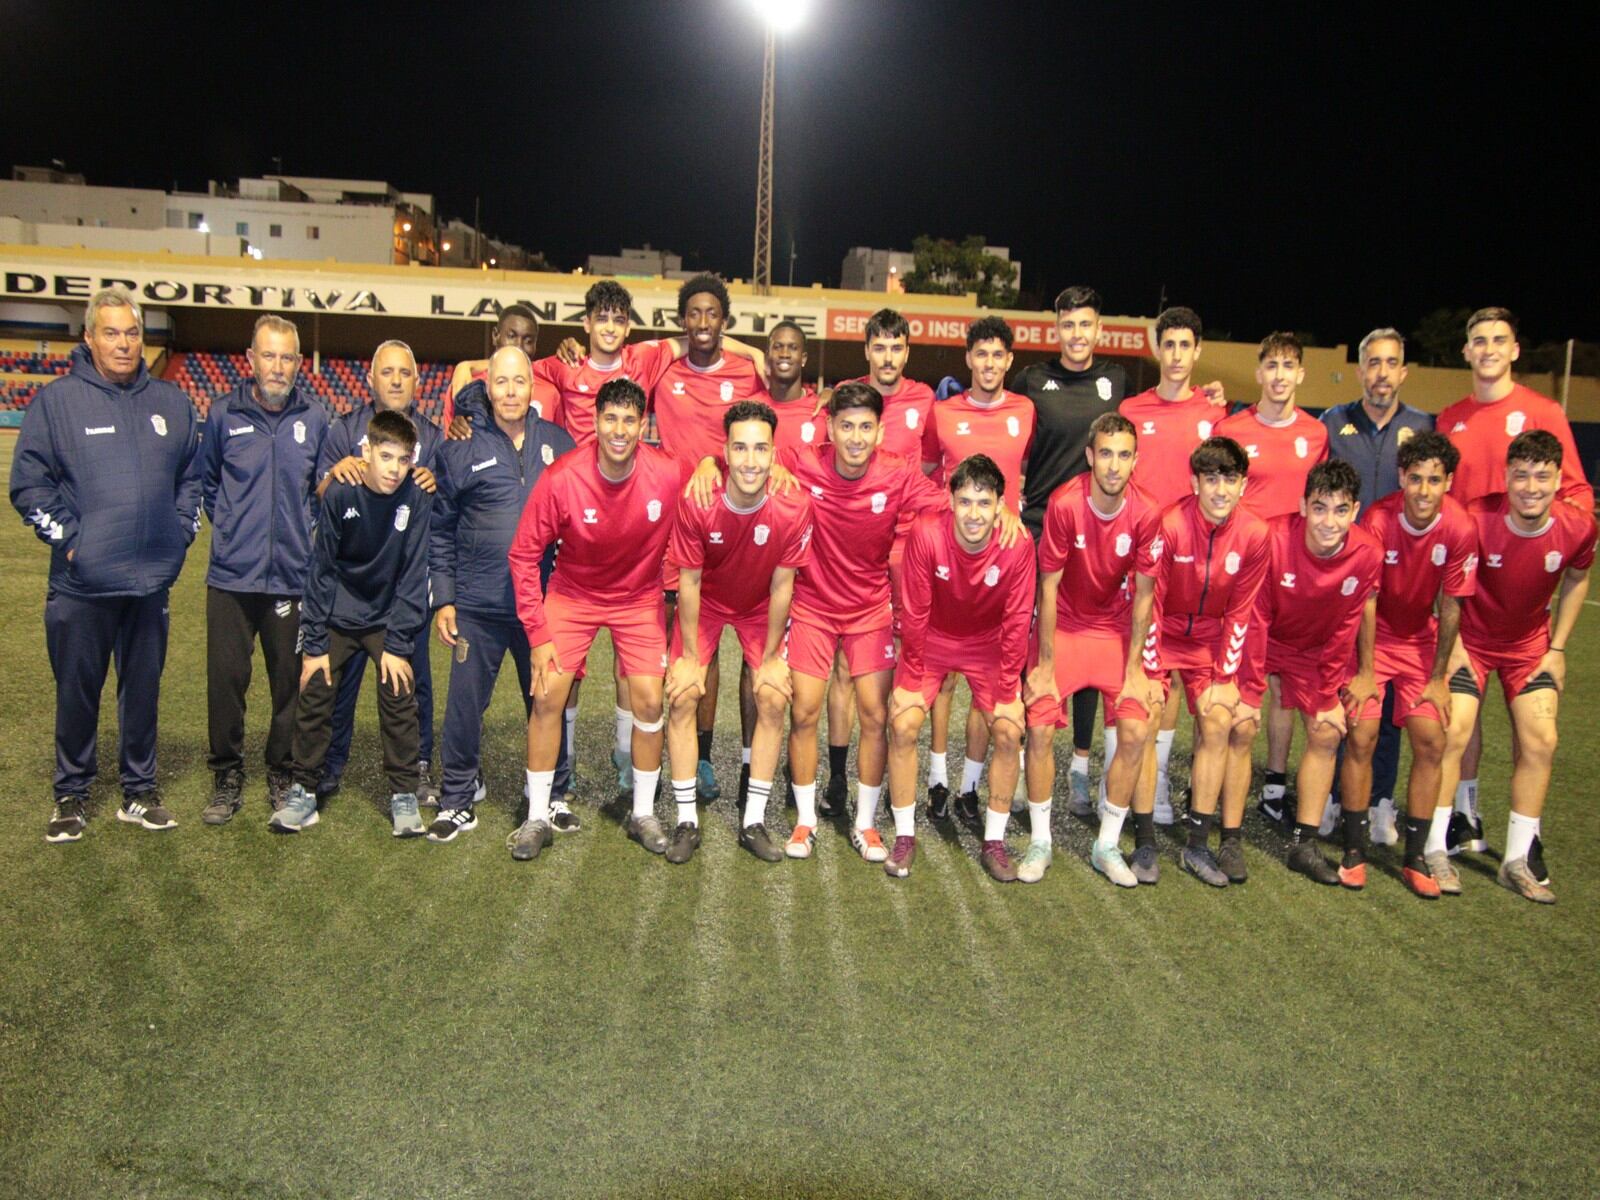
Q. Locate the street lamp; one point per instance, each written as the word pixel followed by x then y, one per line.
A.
pixel 779 16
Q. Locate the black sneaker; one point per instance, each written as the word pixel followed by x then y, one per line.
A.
pixel 938 803
pixel 145 810
pixel 831 804
pixel 1146 865
pixel 758 841
pixel 1230 859
pixel 1202 864
pixel 685 841
pixel 67 821
pixel 1307 860
pixel 278 785
pixel 562 818
pixel 1541 874
pixel 327 786
pixel 1464 834
pixel 226 798
pixel 968 807
pixel 450 822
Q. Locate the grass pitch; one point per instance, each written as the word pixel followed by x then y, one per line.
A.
pixel 224 1013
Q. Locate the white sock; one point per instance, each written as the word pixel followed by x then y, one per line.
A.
pixel 744 756
pixel 757 794
pixel 938 770
pixel 1111 818
pixel 539 785
pixel 1039 821
pixel 1519 836
pixel 1467 798
pixel 1080 762
pixel 905 821
pixel 994 825
pixel 1163 751
pixel 644 791
pixel 624 731
pixel 971 772
pixel 1111 748
pixel 1437 828
pixel 683 793
pixel 867 805
pixel 805 804
pixel 570 716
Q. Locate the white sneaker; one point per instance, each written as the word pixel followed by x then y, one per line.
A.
pixel 1163 810
pixel 1330 818
pixel 1384 832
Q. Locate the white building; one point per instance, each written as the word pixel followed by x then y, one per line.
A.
pixel 644 261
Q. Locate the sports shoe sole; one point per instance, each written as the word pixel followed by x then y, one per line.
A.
pixel 128 818
pixel 278 826
pixel 58 839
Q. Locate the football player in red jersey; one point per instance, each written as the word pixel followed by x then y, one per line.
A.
pixel 1195 591
pixel 1531 546
pixel 736 561
pixel 1430 556
pixel 611 504
pixel 1481 426
pixel 967 605
pixel 1317 600
pixel 1094 528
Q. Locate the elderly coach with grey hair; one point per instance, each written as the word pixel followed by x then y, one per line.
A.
pixel 105 473
pixel 259 476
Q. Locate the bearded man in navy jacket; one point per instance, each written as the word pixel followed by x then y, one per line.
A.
pixel 105 472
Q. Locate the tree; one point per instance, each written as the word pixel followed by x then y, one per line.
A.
pixel 946 268
pixel 1438 338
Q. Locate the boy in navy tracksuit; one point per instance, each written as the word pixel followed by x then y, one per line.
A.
pixel 483 484
pixel 393 379
pixel 366 589
pixel 258 471
pixel 105 472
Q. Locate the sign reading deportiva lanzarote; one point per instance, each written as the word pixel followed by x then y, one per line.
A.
pixel 378 292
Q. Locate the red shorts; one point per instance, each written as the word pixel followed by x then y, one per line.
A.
pixel 1085 660
pixel 638 632
pixel 1407 665
pixel 897 555
pixel 809 649
pixel 1516 664
pixel 751 630
pixel 1196 661
pixel 972 657
pixel 1300 686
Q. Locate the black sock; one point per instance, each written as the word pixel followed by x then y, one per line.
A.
pixel 1277 777
pixel 1200 829
pixel 705 744
pixel 1234 834
pixel 1416 837
pixel 837 757
pixel 1355 836
pixel 1144 829
pixel 1304 834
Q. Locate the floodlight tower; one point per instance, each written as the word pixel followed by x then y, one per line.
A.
pixel 776 15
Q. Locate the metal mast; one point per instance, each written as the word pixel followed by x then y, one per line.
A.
pixel 761 272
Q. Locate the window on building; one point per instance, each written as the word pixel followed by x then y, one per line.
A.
pixel 241 228
pixel 274 230
pixel 196 220
pixel 313 233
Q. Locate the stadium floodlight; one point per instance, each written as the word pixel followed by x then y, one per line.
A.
pixel 779 16
pixel 782 16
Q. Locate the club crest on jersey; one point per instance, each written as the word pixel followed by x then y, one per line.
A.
pixel 1203 428
pixel 653 510
pixel 1231 563
pixel 963 428
pixel 763 532
pixel 942 571
pixel 1471 564
pixel 402 517
pixel 1301 448
pixel 547 455
pixel 590 517
pixel 725 390
pixel 1124 544
pixel 1287 580
pixel 991 576
pixel 1515 422
pixel 300 433
pixel 1438 554
pixel 1102 387
pixel 1552 561
pixel 1348 587
pixel 911 418
pixel 1013 427
pixel 1080 542
pixel 159 424
pixel 807 432
pixel 1405 435
pixel 1147 428
pixel 1391 558
pixel 879 502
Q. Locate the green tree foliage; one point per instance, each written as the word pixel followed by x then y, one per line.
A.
pixel 948 268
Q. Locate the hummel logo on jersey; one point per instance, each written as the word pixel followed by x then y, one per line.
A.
pixel 991 576
pixel 716 537
pixel 159 424
pixel 1348 587
pixel 485 465
pixel 402 517
pixel 1183 558
pixel 1494 561
pixel 589 517
pixel 1124 544
pixel 653 510
pixel 1459 427
pixel 1253 451
pixel 1515 422
pixel 963 428
pixel 943 572
pixel 233 433
pixel 1391 558
pixel 1231 563
pixel 1149 427
pixel 90 431
pixel 1103 387
pixel 816 491
pixel 350 512
pixel 1287 580
pixel 1080 542
pixel 677 387
pixel 1439 554
pixel 1552 561
pixel 1050 385
pixel 583 387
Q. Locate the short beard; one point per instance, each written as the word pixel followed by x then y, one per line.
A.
pixel 273 400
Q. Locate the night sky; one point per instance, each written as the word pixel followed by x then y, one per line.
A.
pixel 1312 168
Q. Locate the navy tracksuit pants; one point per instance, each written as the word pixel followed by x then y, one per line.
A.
pixel 84 635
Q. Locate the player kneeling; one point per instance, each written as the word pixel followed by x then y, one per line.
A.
pixel 737 560
pixel 967 602
pixel 1095 527
pixel 1529 542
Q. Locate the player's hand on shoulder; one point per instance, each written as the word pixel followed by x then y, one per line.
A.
pixel 1216 393
pixel 460 429
pixel 781 480
pixel 424 479
pixel 1010 527
pixel 703 484
pixel 351 469
pixel 570 352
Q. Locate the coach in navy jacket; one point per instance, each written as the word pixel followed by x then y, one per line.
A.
pixel 105 471
pixel 259 475
pixel 483 484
